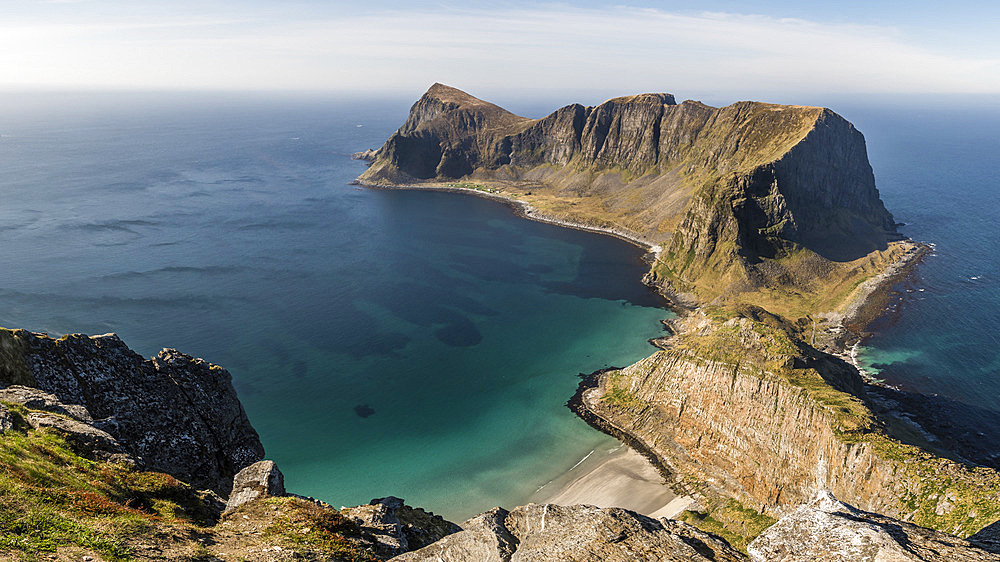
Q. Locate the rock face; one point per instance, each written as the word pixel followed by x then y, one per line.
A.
pixel 740 409
pixel 827 530
pixel 576 533
pixel 173 413
pixel 725 187
pixel 394 527
pixel 261 479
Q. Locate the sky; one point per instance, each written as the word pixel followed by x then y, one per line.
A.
pixel 501 46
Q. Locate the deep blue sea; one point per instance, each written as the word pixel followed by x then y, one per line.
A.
pixel 411 343
pixel 937 166
pixel 405 343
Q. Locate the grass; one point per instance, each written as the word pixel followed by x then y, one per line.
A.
pixel 303 524
pixel 51 497
pixel 731 520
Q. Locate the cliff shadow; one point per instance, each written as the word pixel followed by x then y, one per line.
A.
pixel 946 427
pixel 844 239
pixel 954 429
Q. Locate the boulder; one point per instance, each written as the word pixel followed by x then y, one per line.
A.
pixel 6 419
pixel 393 527
pixel 261 479
pixel 35 399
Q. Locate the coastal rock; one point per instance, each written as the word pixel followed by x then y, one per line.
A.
pixel 261 479
pixel 366 155
pixel 395 528
pixel 35 399
pixel 575 533
pixel 180 415
pixel 741 408
pixel 85 438
pixel 483 538
pixel 827 530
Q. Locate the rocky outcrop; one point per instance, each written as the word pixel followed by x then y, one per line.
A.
pixel 574 533
pixel 747 413
pixel 261 479
pixel 828 530
pixel 393 528
pixel 172 413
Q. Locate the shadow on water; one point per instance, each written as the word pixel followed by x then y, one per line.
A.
pixel 938 424
pixel 960 431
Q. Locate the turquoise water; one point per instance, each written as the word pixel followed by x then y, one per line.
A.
pixel 225 227
pixel 410 343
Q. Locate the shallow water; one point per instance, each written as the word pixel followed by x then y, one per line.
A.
pixel 410 343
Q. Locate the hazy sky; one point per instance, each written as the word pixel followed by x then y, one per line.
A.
pixel 396 45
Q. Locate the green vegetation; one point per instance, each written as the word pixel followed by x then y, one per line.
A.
pixel 618 394
pixel 731 520
pixel 51 497
pixel 299 523
pixel 53 501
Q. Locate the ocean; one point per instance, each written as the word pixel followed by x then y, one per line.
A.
pixel 415 343
pixel 937 170
pixel 406 343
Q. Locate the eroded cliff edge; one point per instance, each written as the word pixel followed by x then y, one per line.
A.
pixel 743 199
pixel 770 236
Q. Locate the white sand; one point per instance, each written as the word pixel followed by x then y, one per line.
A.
pixel 618 478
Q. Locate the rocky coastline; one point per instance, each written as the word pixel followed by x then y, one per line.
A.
pixel 777 260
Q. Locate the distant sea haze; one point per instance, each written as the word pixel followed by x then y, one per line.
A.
pixel 415 343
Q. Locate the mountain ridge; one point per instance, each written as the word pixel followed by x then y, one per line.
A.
pixel 723 190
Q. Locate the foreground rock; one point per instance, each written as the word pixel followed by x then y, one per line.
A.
pixel 172 413
pixel 576 533
pixel 827 530
pixel 261 479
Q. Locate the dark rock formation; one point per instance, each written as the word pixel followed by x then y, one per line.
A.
pixel 576 533
pixel 261 479
pixel 393 527
pixel 174 413
pixel 827 530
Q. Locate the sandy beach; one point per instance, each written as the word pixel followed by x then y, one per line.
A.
pixel 618 477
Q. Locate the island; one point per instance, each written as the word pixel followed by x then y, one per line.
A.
pixel 766 234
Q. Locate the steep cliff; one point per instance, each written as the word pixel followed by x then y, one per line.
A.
pixel 730 191
pixel 174 413
pixel 738 408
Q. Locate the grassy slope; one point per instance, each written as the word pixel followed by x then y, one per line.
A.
pixel 53 501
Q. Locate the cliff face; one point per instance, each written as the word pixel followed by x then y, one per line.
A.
pixel 730 191
pixel 175 413
pixel 736 408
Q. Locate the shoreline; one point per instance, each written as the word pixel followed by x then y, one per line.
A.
pixel 870 305
pixel 525 210
pixel 624 479
pixel 632 476
pixel 619 477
